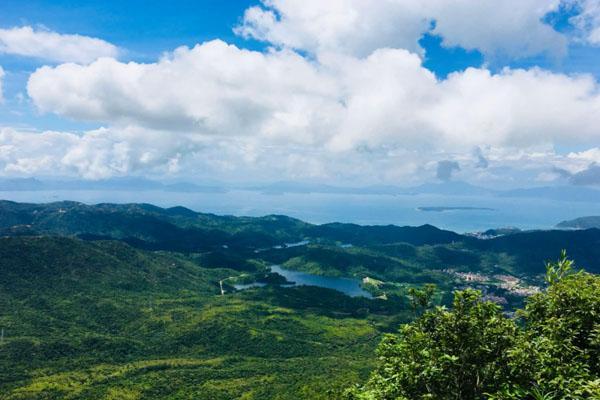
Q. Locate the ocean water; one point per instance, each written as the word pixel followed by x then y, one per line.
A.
pixel 524 213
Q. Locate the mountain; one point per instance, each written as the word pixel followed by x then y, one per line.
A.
pixel 138 301
pixel 149 226
pixel 442 188
pixel 114 184
pixel 233 240
pixel 384 234
pixel 452 188
pixel 560 193
pixel 580 223
pixel 182 229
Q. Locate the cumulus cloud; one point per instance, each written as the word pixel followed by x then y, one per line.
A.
pixel 356 27
pixel 348 26
pixel 110 152
pixel 96 154
pixel 386 100
pixel 213 88
pixel 512 28
pixel 44 44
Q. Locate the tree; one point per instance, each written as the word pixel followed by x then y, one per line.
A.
pixel 551 351
pixel 421 299
pixel 557 351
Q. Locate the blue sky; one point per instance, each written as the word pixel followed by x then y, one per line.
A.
pixel 146 29
pixel 356 96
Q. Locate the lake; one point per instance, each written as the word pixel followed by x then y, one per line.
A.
pixel 350 287
pixel 462 213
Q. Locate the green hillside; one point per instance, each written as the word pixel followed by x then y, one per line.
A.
pixel 89 320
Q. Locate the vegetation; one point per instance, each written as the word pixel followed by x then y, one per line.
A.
pixel 93 320
pixel 473 351
pixel 227 241
pixel 138 302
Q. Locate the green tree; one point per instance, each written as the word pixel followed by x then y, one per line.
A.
pixel 458 354
pixel 550 351
pixel 421 299
pixel 557 351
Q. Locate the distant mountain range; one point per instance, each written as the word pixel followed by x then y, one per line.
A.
pixel 180 229
pixel 580 223
pixel 117 184
pixel 453 188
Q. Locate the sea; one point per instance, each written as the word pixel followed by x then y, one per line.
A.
pixel 465 213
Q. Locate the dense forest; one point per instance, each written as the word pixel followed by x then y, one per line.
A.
pixel 135 301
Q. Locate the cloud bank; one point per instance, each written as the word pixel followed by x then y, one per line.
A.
pixel 341 94
pixel 386 99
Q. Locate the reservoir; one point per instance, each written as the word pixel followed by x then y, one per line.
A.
pixel 348 286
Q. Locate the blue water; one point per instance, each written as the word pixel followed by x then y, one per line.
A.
pixel 351 287
pixel 525 213
pixel 244 286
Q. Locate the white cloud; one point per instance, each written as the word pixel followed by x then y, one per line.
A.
pixel 587 21
pixel 511 28
pixel 364 109
pixel 508 28
pixel 1 92
pixel 97 154
pixel 52 46
pixel 386 100
pixel 105 153
pixel 349 26
pixel 585 157
pixel 213 88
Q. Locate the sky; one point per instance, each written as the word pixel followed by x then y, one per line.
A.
pixel 347 92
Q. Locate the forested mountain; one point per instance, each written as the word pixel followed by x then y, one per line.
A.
pixel 137 301
pixel 180 229
pixel 90 320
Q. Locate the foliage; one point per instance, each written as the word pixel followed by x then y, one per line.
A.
pixel 420 299
pixel 475 352
pixel 100 320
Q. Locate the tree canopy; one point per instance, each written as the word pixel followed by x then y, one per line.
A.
pixel 548 350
